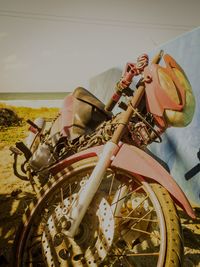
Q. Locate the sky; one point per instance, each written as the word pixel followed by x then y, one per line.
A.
pixel 48 45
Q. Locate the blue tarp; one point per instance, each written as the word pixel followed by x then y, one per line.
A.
pixel 180 148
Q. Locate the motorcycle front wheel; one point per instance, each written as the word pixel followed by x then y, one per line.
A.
pixel 128 223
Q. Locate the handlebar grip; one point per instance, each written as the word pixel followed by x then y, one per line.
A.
pixel 23 148
pixel 34 125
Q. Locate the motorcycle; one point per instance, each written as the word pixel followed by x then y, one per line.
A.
pixel 102 199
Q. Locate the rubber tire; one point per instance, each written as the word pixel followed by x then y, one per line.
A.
pixel 175 244
pixel 175 248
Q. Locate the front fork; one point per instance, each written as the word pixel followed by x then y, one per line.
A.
pixel 81 204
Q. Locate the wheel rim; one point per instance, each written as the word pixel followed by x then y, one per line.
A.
pixel 136 234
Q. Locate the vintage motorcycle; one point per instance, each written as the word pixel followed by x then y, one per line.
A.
pixel 102 199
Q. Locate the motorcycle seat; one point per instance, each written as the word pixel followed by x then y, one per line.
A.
pixel 84 95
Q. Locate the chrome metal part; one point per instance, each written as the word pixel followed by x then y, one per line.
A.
pixel 92 241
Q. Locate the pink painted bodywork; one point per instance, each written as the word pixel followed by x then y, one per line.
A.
pixel 89 153
pixel 157 100
pixel 67 115
pixel 137 162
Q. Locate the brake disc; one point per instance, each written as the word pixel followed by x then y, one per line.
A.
pixel 92 241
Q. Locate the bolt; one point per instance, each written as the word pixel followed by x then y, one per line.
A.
pixel 65 224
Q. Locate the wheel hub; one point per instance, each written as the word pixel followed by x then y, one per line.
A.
pixel 92 241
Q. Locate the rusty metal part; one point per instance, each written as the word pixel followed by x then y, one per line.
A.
pixel 133 69
pixel 130 71
pixel 139 125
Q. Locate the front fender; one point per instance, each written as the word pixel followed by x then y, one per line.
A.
pixel 88 153
pixel 136 161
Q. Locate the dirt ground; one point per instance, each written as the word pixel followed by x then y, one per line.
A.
pixel 15 195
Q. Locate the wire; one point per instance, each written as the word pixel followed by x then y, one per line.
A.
pixel 97 21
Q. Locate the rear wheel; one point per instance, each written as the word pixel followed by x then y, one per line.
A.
pixel 128 223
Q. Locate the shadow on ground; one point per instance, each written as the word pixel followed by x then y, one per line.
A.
pixel 191 233
pixel 12 207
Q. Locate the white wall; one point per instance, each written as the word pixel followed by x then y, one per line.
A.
pixel 48 45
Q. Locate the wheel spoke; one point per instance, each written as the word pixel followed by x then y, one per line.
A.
pixel 135 254
pixel 139 230
pixel 135 208
pixel 128 195
pixel 136 218
pixel 61 196
pixel 139 220
pixel 111 184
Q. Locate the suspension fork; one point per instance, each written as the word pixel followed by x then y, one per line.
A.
pixel 80 206
pixel 87 193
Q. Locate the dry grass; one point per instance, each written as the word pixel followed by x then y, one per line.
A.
pixel 10 135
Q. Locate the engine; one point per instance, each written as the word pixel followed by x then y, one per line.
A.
pixel 42 158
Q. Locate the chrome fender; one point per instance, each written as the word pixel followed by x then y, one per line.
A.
pixel 137 162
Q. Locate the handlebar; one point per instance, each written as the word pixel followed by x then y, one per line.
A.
pixel 135 101
pixel 131 70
